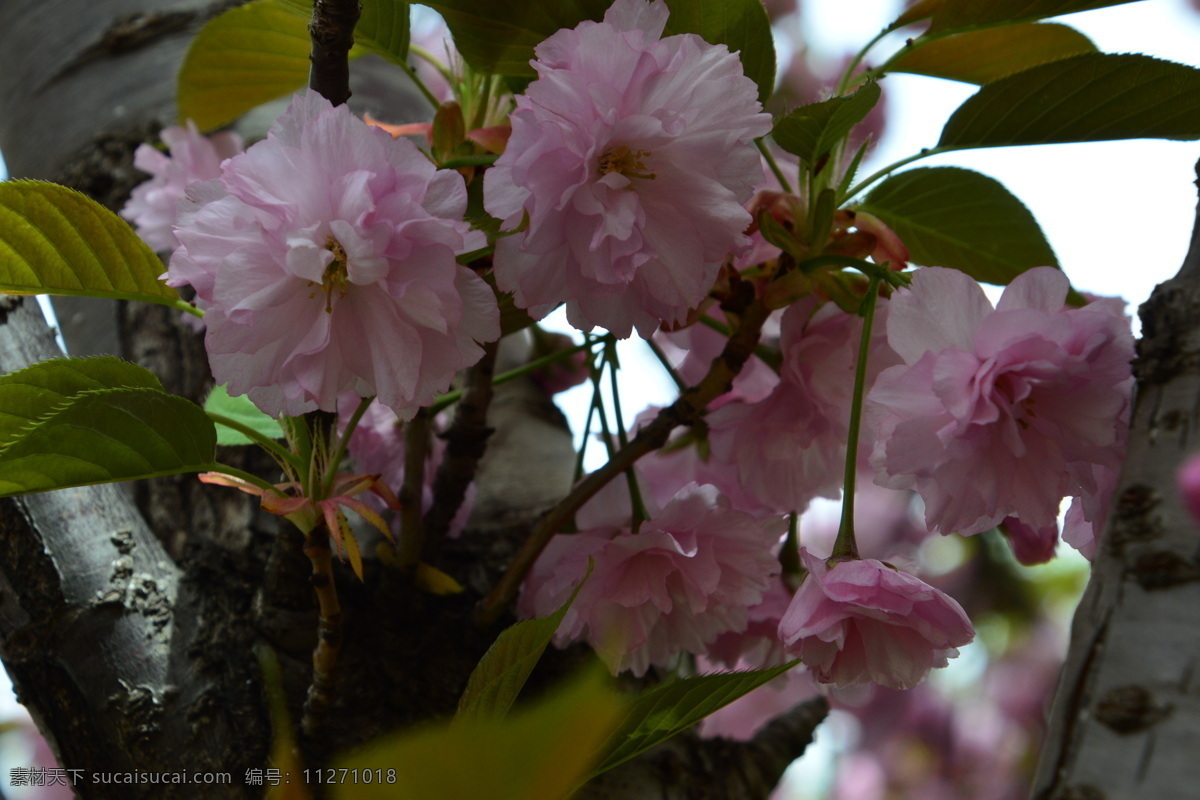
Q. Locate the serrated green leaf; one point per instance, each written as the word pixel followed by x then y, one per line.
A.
pixel 499 676
pixel 499 38
pixel 954 14
pixel 1088 98
pixel 812 131
pixel 987 55
pixel 953 217
pixel 106 435
pixel 244 57
pixel 541 753
pixel 239 409
pixel 34 392
pixel 666 710
pixel 54 240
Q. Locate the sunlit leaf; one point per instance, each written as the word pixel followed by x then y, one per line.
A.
pixel 34 392
pixel 987 55
pixel 666 710
pixel 812 131
pixel 246 56
pixel 500 37
pixel 106 435
pixel 239 409
pixel 952 217
pixel 1088 98
pixel 951 14
pixel 54 240
pixel 541 753
pixel 499 676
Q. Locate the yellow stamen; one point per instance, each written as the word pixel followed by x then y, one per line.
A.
pixel 625 161
pixel 335 277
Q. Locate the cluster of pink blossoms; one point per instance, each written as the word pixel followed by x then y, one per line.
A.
pixel 623 131
pixel 325 259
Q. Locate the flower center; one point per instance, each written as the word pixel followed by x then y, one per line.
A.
pixel 335 276
pixel 625 161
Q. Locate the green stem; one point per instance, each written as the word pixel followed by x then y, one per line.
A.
pixel 845 546
pixel 761 144
pixel 420 84
pixel 925 153
pixel 844 82
pixel 450 398
pixel 189 308
pixel 339 452
pixel 637 505
pixel 265 442
pixel 483 160
pixel 680 383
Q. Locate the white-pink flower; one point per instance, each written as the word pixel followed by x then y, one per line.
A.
pixel 690 574
pixel 791 446
pixel 1000 412
pixel 861 621
pixel 325 255
pixel 154 205
pixel 630 155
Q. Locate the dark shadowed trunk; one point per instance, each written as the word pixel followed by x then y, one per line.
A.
pixel 130 616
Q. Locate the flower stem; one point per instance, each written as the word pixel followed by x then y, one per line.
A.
pixel 416 450
pixel 329 632
pixel 846 546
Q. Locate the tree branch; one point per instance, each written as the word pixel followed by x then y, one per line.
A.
pixel 332 32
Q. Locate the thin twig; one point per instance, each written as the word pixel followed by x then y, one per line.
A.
pixel 332 32
pixel 688 409
pixel 416 451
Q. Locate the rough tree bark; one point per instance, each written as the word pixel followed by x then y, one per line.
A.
pixel 1126 719
pixel 129 619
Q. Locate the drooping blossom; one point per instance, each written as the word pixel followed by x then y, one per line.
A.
pixel 1000 412
pixel 630 155
pixel 153 206
pixel 1030 545
pixel 791 446
pixel 326 257
pixel 688 575
pixel 862 620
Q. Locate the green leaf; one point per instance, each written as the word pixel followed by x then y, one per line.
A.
pixel 34 392
pixel 54 240
pixel 951 14
pixel 107 435
pixel 382 29
pixel 952 217
pixel 239 409
pixel 241 59
pixel 987 55
pixel 812 131
pixel 742 25
pixel 499 37
pixel 666 710
pixel 499 676
pixel 1087 98
pixel 541 753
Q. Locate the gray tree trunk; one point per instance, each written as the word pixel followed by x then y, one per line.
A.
pixel 1126 719
pixel 129 620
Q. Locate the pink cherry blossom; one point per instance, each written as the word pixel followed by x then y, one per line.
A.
pixel 154 205
pixel 687 576
pixel 791 446
pixel 1187 480
pixel 861 621
pixel 630 155
pixel 1000 412
pixel 326 257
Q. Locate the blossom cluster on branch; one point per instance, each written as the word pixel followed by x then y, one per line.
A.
pixel 333 261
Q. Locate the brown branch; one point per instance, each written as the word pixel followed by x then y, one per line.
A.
pixel 332 32
pixel 416 451
pixel 329 633
pixel 691 406
pixel 466 441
